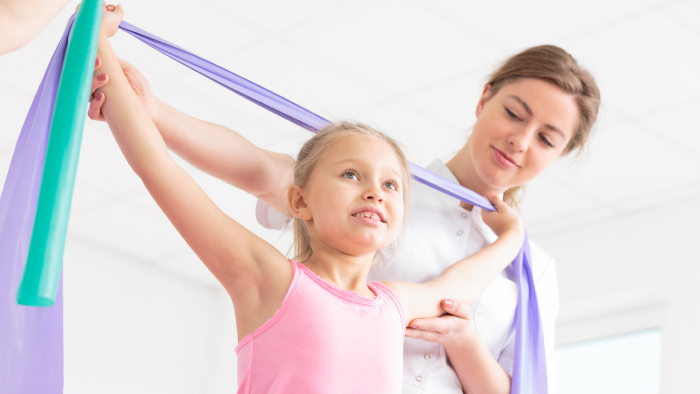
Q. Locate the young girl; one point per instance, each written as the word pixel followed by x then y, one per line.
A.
pixel 316 325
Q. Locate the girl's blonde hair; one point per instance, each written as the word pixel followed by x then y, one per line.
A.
pixel 552 64
pixel 311 153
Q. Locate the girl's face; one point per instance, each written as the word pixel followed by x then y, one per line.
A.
pixel 354 196
pixel 519 132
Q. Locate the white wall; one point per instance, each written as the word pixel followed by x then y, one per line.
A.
pixel 131 327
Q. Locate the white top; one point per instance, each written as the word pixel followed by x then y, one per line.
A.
pixel 439 233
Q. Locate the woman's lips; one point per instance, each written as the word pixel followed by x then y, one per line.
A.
pixel 503 159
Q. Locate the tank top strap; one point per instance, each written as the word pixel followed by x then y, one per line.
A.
pixel 382 288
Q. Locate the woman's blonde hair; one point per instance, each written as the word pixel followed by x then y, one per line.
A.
pixel 311 153
pixel 552 64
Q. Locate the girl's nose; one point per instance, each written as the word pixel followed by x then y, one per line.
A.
pixel 373 194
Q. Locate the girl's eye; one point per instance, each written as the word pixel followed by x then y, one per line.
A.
pixel 512 114
pixel 349 175
pixel 546 141
pixel 391 185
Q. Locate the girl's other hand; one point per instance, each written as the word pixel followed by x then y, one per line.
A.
pixel 503 219
pixel 455 328
pixel 111 18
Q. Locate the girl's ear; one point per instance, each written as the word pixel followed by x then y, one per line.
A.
pixel 297 204
pixel 484 97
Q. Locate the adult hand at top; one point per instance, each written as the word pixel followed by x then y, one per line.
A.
pixel 22 20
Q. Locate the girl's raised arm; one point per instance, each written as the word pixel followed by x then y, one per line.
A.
pixel 254 273
pixel 466 279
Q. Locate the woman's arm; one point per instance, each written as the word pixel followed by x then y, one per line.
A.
pixel 212 148
pixel 468 278
pixel 22 20
pixel 477 370
pixel 254 273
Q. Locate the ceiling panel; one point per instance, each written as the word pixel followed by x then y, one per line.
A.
pixel 642 64
pixel 520 24
pixel 274 16
pixel 677 126
pixel 625 163
pixel 392 45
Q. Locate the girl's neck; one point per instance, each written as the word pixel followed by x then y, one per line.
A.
pixel 343 271
pixel 462 167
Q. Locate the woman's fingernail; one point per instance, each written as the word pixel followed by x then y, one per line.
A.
pixel 413 325
pixel 102 77
pixel 448 303
pixel 99 96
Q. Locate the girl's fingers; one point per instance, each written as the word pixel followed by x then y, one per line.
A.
pixel 98 63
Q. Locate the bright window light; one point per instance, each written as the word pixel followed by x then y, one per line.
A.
pixel 628 363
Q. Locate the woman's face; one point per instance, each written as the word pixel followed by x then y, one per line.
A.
pixel 519 131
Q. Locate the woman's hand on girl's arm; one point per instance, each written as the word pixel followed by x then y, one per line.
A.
pixel 453 328
pixel 477 370
pixel 214 149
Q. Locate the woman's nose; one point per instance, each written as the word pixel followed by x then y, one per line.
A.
pixel 519 140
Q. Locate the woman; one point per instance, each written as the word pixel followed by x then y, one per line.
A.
pixel 537 106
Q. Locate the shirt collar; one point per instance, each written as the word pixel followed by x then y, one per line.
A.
pixel 439 168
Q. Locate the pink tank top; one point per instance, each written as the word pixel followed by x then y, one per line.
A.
pixel 325 340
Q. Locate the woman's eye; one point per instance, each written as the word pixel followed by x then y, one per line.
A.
pixel 512 114
pixel 546 141
pixel 349 175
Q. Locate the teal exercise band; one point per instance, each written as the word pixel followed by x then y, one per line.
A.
pixel 45 259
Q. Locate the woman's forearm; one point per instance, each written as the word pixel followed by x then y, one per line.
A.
pixel 227 155
pixel 477 370
pixel 22 20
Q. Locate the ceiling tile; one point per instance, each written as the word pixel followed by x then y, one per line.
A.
pixel 198 27
pixel 274 16
pixel 394 46
pixel 422 137
pixel 144 234
pixel 548 203
pixel 625 163
pixel 637 63
pixel 518 25
pixel 677 127
pixel 687 12
pixel 453 101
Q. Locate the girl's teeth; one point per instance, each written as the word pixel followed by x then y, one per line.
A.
pixel 368 215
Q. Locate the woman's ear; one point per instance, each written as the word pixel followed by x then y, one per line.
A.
pixel 482 101
pixel 297 204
